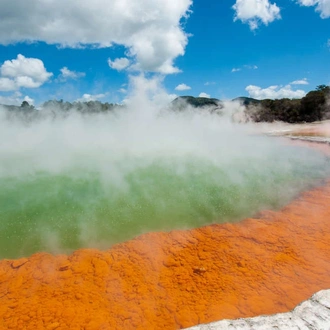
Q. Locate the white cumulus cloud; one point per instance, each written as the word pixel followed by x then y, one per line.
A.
pixel 204 95
pixel 150 30
pixel 322 6
pixel 7 84
pixel 28 99
pixel 182 87
pixel 255 12
pixel 119 63
pixel 68 74
pixel 303 81
pixel 274 92
pixel 23 72
pixel 90 97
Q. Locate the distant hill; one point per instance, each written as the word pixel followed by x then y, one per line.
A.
pixel 181 102
pixel 199 102
pixel 246 100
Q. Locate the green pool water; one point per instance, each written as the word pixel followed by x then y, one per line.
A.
pixel 59 212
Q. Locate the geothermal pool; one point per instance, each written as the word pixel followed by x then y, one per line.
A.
pixel 92 181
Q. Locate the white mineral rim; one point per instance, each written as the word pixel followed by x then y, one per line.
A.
pixel 313 313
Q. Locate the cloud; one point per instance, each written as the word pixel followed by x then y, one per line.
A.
pixel 68 74
pixel 322 6
pixel 28 99
pixel 255 12
pixel 122 90
pixel 249 67
pixel 23 72
pixel 150 30
pixel 15 99
pixel 303 81
pixel 274 92
pixel 204 95
pixel 119 63
pixel 7 84
pixel 209 83
pixel 90 97
pixel 182 87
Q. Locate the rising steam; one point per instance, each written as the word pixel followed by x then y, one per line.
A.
pixel 93 180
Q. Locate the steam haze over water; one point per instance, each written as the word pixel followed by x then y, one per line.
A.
pixel 94 180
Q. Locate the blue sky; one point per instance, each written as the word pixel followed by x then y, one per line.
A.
pixel 86 50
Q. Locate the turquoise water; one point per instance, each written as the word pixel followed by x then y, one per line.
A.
pixel 84 183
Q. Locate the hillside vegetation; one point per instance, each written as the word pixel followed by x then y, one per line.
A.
pixel 314 106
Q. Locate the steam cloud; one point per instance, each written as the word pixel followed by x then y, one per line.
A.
pixel 92 180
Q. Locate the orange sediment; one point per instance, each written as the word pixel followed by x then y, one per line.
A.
pixel 176 279
pixel 320 129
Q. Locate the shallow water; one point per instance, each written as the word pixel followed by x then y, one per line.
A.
pixel 90 183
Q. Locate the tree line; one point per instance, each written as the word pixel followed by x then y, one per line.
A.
pixel 314 106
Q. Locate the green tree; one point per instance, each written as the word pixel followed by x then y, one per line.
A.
pixel 25 104
pixel 323 88
pixel 312 106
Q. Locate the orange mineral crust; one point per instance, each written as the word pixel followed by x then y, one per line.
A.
pixel 177 279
